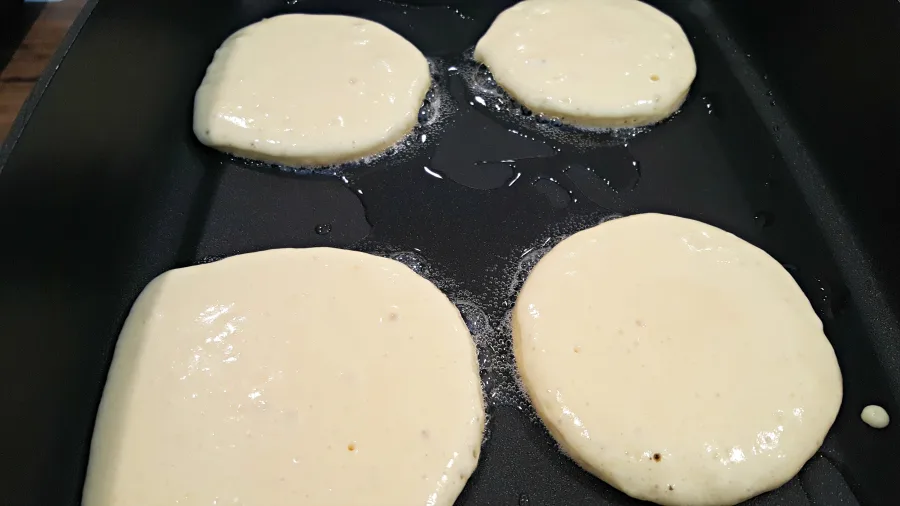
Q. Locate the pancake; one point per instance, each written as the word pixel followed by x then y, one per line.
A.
pixel 592 63
pixel 675 361
pixel 304 377
pixel 310 90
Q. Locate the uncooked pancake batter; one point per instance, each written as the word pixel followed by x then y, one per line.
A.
pixel 289 377
pixel 595 63
pixel 875 416
pixel 310 90
pixel 675 361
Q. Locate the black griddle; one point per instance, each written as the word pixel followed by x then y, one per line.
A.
pixel 788 139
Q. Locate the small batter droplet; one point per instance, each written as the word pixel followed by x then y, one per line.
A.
pixel 875 416
pixel 323 229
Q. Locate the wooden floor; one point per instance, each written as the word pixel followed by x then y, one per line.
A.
pixel 29 61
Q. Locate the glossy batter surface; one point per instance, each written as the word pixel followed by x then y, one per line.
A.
pixel 596 63
pixel 310 90
pixel 675 361
pixel 289 377
pixel 875 416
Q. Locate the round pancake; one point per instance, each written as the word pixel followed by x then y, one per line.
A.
pixel 310 90
pixel 303 377
pixel 593 63
pixel 675 361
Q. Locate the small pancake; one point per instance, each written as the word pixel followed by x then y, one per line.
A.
pixel 310 90
pixel 593 63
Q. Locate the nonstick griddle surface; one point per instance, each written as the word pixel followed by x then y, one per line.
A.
pixel 103 186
